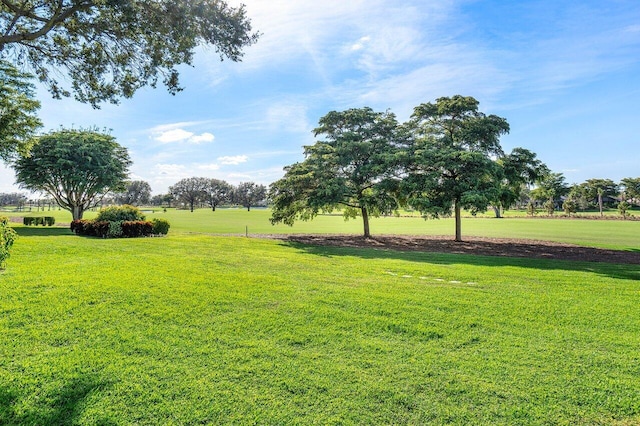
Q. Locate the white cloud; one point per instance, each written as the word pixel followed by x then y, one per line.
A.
pixel 233 160
pixel 175 132
pixel 204 137
pixel 359 45
pixel 175 135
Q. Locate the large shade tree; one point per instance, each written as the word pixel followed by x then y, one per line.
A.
pixel 217 191
pixel 248 194
pixel 18 108
pixel 351 168
pixel 75 167
pixel 452 158
pixel 189 191
pixel 110 49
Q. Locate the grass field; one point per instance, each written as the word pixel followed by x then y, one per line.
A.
pixel 615 234
pixel 204 329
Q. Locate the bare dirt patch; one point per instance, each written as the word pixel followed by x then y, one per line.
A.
pixel 472 245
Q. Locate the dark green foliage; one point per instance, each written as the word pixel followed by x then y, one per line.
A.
pixel 631 189
pixel 623 206
pixel 451 163
pixel 351 169
pixel 110 49
pixel 216 191
pixel 76 167
pixel 35 221
pixel 160 226
pixel 90 228
pixel 248 194
pixel 190 191
pixel 119 214
pixel 137 228
pixel 18 105
pixel 113 229
pixel 7 237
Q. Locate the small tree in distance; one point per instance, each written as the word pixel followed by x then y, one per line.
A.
pixel 136 193
pixel 189 191
pixel 249 194
pixel 76 167
pixel 216 192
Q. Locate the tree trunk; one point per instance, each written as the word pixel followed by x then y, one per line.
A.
pixel 77 212
pixel 213 207
pixel 496 210
pixel 365 221
pixel 191 205
pixel 600 202
pixel 249 208
pixel 458 221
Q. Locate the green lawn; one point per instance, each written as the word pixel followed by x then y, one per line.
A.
pixel 615 234
pixel 201 329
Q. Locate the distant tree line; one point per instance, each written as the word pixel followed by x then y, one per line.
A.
pixel 194 192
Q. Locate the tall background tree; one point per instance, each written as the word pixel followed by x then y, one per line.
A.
pixel 599 189
pixel 75 167
pixel 112 48
pixel 189 191
pixel 18 108
pixel 249 194
pixel 351 169
pixel 136 193
pixel 550 188
pixel 631 189
pixel 451 162
pixel 216 192
pixel 517 171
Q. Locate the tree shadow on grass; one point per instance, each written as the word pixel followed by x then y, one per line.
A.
pixel 485 252
pixel 37 231
pixel 65 408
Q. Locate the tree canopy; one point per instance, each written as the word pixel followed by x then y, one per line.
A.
pixel 217 191
pixel 189 191
pixel 136 193
pixel 18 108
pixel 451 162
pixel 351 168
pixel 76 167
pixel 110 49
pixel 249 194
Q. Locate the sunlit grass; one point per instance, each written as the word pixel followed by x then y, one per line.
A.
pixel 616 234
pixel 193 329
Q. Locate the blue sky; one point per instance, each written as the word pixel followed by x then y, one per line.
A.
pixel 565 74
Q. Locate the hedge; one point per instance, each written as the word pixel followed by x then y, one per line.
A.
pixel 42 220
pixel 116 229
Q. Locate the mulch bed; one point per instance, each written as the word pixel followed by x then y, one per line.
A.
pixel 472 245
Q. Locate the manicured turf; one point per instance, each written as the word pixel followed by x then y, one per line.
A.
pixel 197 329
pixel 616 234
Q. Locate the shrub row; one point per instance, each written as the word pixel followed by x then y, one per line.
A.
pixel 46 220
pixel 120 229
